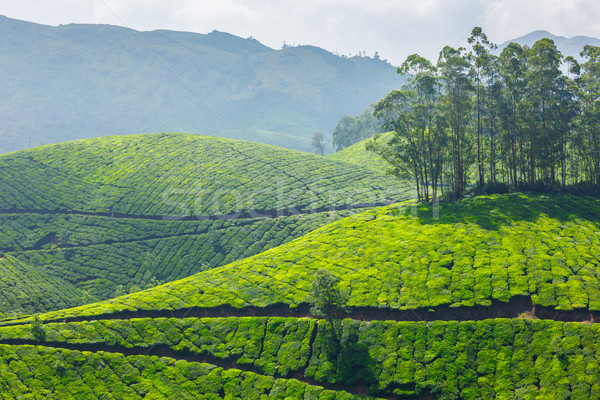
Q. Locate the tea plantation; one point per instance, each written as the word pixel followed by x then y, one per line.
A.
pixel 182 175
pixel 114 215
pixel 66 374
pixel 488 249
pixel 99 254
pixel 487 297
pixel 24 289
pixel 493 358
pixel 358 154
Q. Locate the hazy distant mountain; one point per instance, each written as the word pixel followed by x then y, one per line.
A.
pixel 567 46
pixel 77 81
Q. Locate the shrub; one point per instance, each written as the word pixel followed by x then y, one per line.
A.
pixel 326 298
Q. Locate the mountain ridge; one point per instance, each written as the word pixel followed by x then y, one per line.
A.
pixel 79 81
pixel 568 46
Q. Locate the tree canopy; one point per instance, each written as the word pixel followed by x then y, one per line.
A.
pixel 352 130
pixel 326 298
pixel 526 118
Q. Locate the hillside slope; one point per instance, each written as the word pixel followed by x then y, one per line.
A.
pixel 79 81
pixel 295 358
pixel 523 251
pixel 358 154
pixel 426 294
pixel 117 214
pixel 181 175
pixel 25 289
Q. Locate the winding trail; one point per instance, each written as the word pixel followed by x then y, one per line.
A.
pixel 516 307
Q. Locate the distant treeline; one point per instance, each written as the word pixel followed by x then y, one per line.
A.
pixel 352 130
pixel 527 118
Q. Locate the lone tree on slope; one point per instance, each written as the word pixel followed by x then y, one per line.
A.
pixel 326 298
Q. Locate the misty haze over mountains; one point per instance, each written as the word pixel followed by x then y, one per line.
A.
pixel 79 81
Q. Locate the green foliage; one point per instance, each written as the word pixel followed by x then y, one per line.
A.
pixel 67 374
pixel 478 250
pixel 275 346
pixel 358 154
pixel 93 254
pixel 24 289
pixel 325 296
pixel 451 360
pixel 148 253
pixel 351 130
pixel 120 291
pixel 110 174
pixel 513 120
pixel 37 330
pixel 460 359
pixel 134 289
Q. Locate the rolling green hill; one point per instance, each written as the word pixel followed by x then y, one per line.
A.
pixel 180 175
pixel 357 154
pixel 83 80
pixel 115 214
pixel 489 297
pixel 479 252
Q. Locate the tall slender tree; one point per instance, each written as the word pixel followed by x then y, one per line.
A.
pixel 536 126
pixel 481 58
pixel 513 68
pixel 493 109
pixel 454 67
pixel 544 84
pixel 588 139
pixel 416 147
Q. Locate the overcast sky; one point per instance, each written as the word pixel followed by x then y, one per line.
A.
pixel 394 28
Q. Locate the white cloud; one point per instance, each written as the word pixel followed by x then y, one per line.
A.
pixel 395 28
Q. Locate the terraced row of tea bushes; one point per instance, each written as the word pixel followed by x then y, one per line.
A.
pixel 501 358
pixel 40 372
pixel 274 346
pixel 480 249
pixel 25 290
pixel 496 358
pixel 28 231
pixel 179 175
pixel 182 248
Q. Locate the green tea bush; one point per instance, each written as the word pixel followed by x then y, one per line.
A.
pixel 94 375
pixel 500 358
